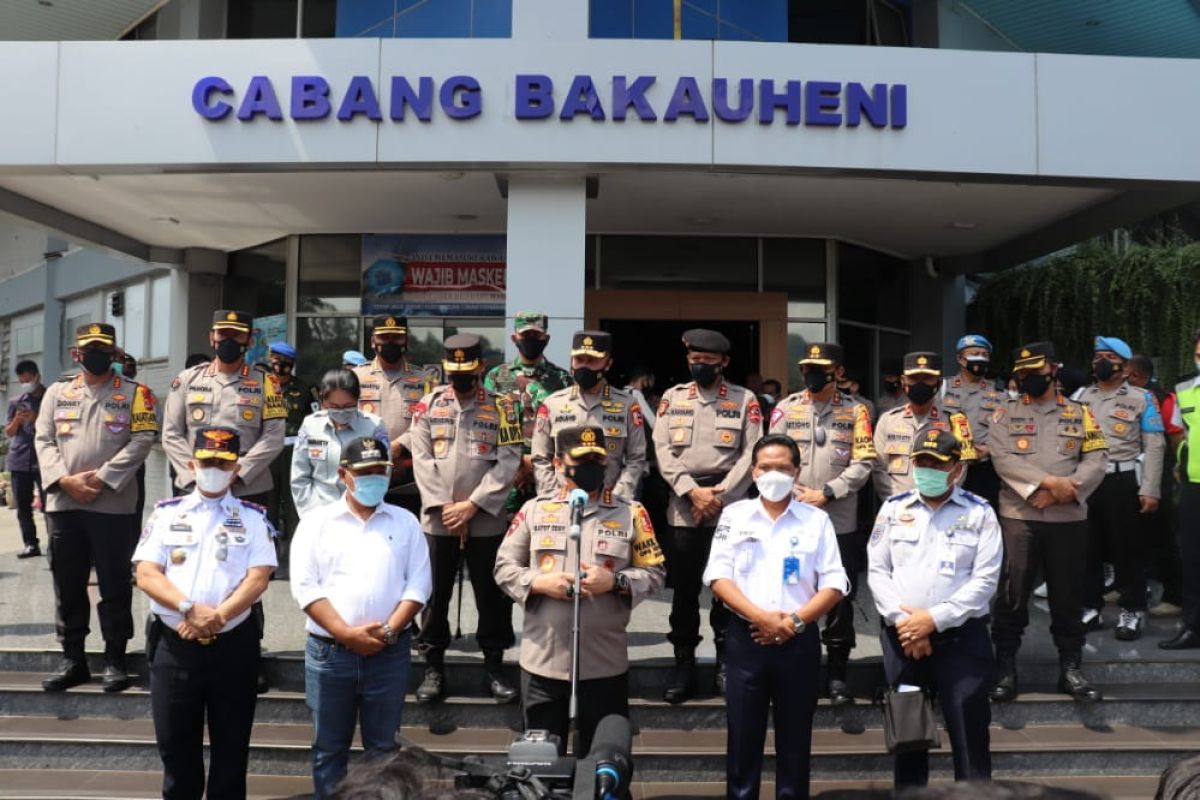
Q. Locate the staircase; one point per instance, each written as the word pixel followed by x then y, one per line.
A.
pixel 85 744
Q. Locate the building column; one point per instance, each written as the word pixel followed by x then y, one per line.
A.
pixel 547 223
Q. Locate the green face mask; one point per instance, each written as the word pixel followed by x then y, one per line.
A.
pixel 931 482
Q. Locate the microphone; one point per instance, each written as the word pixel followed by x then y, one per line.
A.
pixel 577 499
pixel 611 752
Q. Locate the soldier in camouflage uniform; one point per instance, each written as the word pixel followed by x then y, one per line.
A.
pixel 528 380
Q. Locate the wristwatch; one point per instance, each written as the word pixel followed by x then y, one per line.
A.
pixel 185 606
pixel 390 636
pixel 798 623
pixel 827 490
pixel 620 583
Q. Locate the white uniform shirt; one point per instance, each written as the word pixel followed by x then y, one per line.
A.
pixel 945 561
pixel 185 535
pixel 365 569
pixel 318 450
pixel 751 549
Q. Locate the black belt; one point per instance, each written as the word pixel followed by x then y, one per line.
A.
pixel 709 481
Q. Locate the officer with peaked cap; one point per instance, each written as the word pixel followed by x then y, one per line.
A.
pixel 622 565
pixel 1133 428
pixel 897 428
pixel 390 386
pixel 977 396
pixel 466 446
pixel 92 434
pixel 592 400
pixel 837 451
pixel 1050 455
pixel 203 559
pixel 704 437
pixel 891 393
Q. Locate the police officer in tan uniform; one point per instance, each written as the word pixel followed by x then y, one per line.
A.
pixel 390 386
pixel 978 397
pixel 837 452
pixel 622 566
pixel 592 400
pixel 704 436
pixel 1133 428
pixel 466 444
pixel 92 434
pixel 1051 455
pixel 897 427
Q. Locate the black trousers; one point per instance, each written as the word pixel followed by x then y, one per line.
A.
pixel 685 570
pixel 546 703
pixel 190 682
pixel 23 482
pixel 1189 552
pixel 783 679
pixel 982 480
pixel 959 674
pixel 838 635
pixel 1059 550
pixel 495 631
pixel 79 541
pixel 1116 534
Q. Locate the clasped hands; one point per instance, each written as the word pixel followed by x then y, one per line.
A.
pixel 914 632
pixel 597 580
pixel 201 622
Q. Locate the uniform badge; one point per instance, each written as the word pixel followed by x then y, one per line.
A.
pixel 907 519
pixel 248 414
pixel 612 524
pixel 64 427
pixel 178 556
pixel 439 447
pixel 118 398
pixel 368 408
pixel 1022 444
pixel 547 563
pixel 547 541
pixel 726 437
pixel 198 414
pixel 1070 444
pixel 1120 427
pixel 679 435
pixel 551 506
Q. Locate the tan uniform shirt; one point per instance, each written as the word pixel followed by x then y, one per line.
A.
pixel 1032 440
pixel 977 400
pixel 616 534
pixel 465 451
pixel 1133 426
pixel 894 437
pixel 705 437
pixel 837 449
pixel 624 433
pixel 247 400
pixel 109 427
pixel 394 397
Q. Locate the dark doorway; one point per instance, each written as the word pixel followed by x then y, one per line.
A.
pixel 658 346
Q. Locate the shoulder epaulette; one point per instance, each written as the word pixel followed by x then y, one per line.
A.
pixel 254 506
pixel 974 498
pixel 901 496
pixel 170 501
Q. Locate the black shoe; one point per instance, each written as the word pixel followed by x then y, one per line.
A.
pixel 502 692
pixel 115 679
pixel 1186 639
pixel 1005 689
pixel 1130 626
pixel 261 684
pixel 70 672
pixel 682 685
pixel 1072 681
pixel 433 687
pixel 839 694
pixel 30 551
pixel 1092 620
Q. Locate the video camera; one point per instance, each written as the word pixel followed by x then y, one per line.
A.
pixel 534 770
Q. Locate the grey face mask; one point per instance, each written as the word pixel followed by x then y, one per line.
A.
pixel 342 416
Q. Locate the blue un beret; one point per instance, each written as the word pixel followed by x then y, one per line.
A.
pixel 973 340
pixel 284 349
pixel 1115 345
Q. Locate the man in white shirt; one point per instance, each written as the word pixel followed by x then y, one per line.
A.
pixel 933 565
pixel 360 571
pixel 775 563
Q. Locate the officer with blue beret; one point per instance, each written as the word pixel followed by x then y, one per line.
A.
pixel 977 396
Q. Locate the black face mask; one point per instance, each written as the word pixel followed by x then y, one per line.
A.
pixel 977 368
pixel 229 350
pixel 891 387
pixel 586 378
pixel 280 368
pixel 463 383
pixel 391 352
pixel 1035 385
pixel 587 475
pixel 705 374
pixel 815 380
pixel 531 348
pixel 921 393
pixel 1105 369
pixel 129 371
pixel 96 361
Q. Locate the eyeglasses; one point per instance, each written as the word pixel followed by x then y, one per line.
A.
pixel 222 546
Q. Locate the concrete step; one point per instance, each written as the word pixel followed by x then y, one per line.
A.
pixel 116 785
pixel 1134 704
pixel 43 743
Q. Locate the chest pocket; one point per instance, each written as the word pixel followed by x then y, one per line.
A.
pixel 1022 440
pixel 680 430
pixel 728 433
pixel 1070 437
pixel 611 551
pixel 199 407
pixel 962 544
pixel 248 415
pixel 905 540
pixel 236 546
pixel 483 436
pixel 441 435
pixel 747 557
pixel 550 552
pixel 951 400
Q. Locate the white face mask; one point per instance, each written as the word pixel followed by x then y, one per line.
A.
pixel 27 388
pixel 775 486
pixel 213 479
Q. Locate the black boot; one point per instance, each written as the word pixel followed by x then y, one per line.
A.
pixel 1005 689
pixel 501 690
pixel 682 684
pixel 71 671
pixel 839 692
pixel 1072 681
pixel 116 678
pixel 433 687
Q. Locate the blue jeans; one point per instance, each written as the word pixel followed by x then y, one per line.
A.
pixel 340 688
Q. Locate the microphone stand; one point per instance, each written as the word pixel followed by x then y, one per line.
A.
pixel 575 534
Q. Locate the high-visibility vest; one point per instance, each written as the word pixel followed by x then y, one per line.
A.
pixel 1187 400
